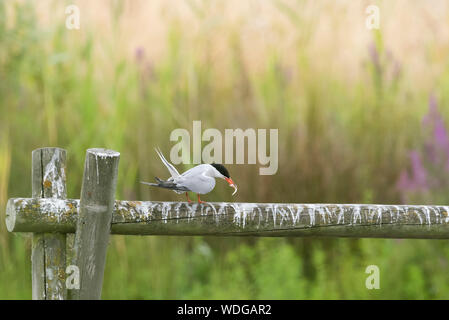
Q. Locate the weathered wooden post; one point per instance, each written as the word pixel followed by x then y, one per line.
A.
pixel 94 220
pixel 239 219
pixel 48 249
pixel 96 215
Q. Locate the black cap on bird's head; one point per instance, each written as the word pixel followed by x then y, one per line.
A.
pixel 220 168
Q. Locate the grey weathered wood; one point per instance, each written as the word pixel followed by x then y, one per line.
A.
pixel 48 250
pixel 239 219
pixel 70 257
pixel 94 220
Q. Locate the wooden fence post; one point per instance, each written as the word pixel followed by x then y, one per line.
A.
pixel 94 221
pixel 239 219
pixel 48 249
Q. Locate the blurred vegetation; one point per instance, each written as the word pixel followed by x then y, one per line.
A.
pixel 338 142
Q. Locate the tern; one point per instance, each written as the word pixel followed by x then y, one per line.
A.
pixel 199 179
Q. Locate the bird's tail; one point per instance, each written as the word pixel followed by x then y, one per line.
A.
pixel 166 184
pixel 173 172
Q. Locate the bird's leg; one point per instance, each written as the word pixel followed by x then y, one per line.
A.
pixel 187 196
pixel 199 200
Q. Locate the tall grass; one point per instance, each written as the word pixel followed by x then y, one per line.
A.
pixel 340 141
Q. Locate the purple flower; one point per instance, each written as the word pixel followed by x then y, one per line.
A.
pixel 441 136
pixel 396 69
pixel 418 178
pixel 429 166
pixel 433 114
pixel 438 147
pixel 374 54
pixel 418 170
pixel 139 54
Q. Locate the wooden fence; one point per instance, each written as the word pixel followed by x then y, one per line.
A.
pixel 72 232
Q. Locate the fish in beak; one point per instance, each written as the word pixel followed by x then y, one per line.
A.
pixel 232 184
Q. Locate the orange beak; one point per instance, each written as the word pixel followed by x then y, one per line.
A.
pixel 232 184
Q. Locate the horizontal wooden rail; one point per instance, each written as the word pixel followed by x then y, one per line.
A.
pixel 239 219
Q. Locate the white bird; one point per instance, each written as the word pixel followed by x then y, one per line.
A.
pixel 199 179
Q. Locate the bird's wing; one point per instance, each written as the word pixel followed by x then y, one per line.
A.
pixel 173 172
pixel 195 171
pixel 196 180
pixel 200 184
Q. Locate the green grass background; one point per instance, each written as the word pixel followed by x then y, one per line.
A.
pixel 340 141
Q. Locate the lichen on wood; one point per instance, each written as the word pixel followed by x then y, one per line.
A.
pixel 48 249
pixel 257 219
pixel 93 224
